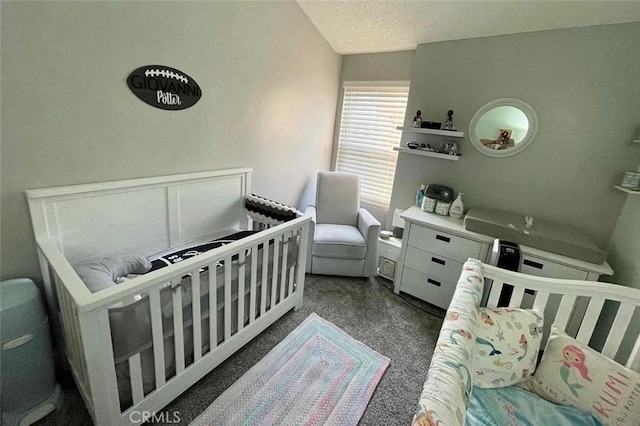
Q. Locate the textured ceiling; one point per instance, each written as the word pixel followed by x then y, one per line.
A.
pixel 381 26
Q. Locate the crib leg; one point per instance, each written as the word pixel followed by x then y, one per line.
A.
pixel 98 351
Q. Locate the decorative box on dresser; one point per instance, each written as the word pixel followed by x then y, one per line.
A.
pixel 435 247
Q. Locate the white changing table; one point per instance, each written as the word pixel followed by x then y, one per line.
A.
pixel 435 247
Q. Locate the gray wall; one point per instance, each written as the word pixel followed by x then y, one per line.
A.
pixel 624 250
pixel 583 84
pixel 624 257
pixel 391 66
pixel 269 81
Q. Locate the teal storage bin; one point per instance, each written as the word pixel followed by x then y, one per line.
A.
pixel 29 390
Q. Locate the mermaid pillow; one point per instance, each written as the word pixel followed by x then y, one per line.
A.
pixel 571 373
pixel 506 346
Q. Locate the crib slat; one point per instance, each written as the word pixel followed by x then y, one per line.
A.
pixel 62 303
pixel 197 316
pixel 633 363
pixel 541 301
pixel 52 303
pixel 66 313
pixel 292 271
pixel 254 272
pixel 264 276
pixel 213 307
pixel 516 297
pixel 227 298
pixel 618 329
pixel 158 342
pixel 135 377
pixel 590 319
pixel 564 311
pixel 494 294
pixel 283 277
pixel 274 278
pixel 177 326
pixel 295 266
pixel 241 271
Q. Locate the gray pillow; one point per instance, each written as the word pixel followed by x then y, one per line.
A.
pixel 104 272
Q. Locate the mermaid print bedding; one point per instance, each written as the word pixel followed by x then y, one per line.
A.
pixel 572 373
pixel 511 405
pixel 448 386
pixel 507 344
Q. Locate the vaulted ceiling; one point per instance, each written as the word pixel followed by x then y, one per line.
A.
pixel 368 26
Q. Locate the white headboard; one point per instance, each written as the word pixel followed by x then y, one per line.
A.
pixel 140 216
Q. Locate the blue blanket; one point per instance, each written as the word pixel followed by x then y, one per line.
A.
pixel 512 405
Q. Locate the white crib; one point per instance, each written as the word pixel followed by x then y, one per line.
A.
pixel 445 396
pixel 76 224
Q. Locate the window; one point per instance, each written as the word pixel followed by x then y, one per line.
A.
pixel 370 114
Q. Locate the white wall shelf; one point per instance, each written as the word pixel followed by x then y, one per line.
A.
pixel 435 132
pixel 627 190
pixel 636 141
pixel 426 153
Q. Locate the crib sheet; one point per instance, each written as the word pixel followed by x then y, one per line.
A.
pixel 512 405
pixel 176 255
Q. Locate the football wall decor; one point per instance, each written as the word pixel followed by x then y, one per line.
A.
pixel 164 87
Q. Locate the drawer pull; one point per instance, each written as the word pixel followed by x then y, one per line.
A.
pixel 439 261
pixel 533 264
pixel 443 238
pixel 434 282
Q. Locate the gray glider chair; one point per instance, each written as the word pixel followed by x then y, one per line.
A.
pixel 344 237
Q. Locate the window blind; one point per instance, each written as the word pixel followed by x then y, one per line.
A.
pixel 370 115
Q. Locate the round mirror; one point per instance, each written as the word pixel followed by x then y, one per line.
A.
pixel 503 127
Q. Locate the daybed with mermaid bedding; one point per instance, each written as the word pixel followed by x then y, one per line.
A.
pixel 133 268
pixel 487 370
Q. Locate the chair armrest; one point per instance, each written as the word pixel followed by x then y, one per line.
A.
pixel 310 211
pixel 368 225
pixel 447 389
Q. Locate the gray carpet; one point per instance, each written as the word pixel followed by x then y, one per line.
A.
pixel 403 328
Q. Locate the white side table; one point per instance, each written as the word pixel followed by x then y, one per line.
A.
pixel 388 255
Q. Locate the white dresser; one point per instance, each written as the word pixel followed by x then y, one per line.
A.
pixel 435 247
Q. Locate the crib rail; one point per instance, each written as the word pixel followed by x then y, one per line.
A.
pixel 581 304
pixel 85 317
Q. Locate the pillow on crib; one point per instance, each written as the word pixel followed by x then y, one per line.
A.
pixel 571 373
pixel 104 272
pixel 506 347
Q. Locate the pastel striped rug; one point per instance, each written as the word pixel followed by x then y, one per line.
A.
pixel 318 375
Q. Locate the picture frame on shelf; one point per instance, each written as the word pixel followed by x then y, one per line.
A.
pixel 450 147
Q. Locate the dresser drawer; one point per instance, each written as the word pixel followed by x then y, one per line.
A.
pixel 435 291
pixel 546 268
pixel 447 245
pixel 433 264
